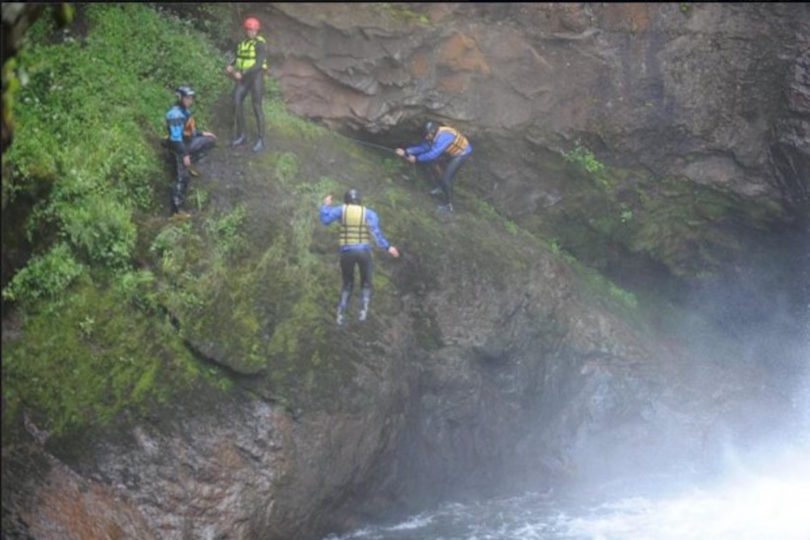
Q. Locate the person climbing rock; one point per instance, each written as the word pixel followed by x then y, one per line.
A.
pixel 247 70
pixel 441 142
pixel 187 142
pixel 357 224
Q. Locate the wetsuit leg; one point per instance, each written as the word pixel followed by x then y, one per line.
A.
pixel 200 145
pixel 366 269
pixel 240 91
pixel 447 177
pixel 256 93
pixel 347 262
pixel 180 184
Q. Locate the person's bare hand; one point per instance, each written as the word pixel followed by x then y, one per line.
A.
pixel 394 252
pixel 209 134
pixel 400 152
pixel 187 161
pixel 411 159
pixel 237 75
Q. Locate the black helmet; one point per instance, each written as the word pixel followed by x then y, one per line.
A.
pixel 430 129
pixel 352 197
pixel 183 91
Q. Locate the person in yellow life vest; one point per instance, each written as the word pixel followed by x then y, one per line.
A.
pixel 357 225
pixel 247 70
pixel 441 141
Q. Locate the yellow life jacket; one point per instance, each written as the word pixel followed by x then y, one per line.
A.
pixel 353 227
pixel 459 144
pixel 246 54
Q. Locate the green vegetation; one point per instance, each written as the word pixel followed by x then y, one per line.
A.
pixel 689 228
pixel 89 118
pixel 96 356
pixel 85 150
pixel 584 158
pixel 45 276
pixel 401 12
pixel 492 215
pixel 225 232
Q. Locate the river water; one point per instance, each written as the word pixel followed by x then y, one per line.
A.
pixel 767 498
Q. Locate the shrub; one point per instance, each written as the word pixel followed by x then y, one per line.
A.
pixel 45 276
pixel 87 123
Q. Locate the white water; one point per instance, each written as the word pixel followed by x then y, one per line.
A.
pixel 760 496
pixel 752 505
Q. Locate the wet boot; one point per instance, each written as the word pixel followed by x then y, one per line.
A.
pixel 364 308
pixel 341 309
pixel 240 140
pixel 259 146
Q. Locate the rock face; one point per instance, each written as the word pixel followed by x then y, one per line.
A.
pixel 489 365
pixel 684 97
pixel 700 91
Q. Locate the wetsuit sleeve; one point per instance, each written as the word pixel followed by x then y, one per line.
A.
pixel 261 56
pixel 330 213
pixel 418 149
pixel 439 145
pixel 373 223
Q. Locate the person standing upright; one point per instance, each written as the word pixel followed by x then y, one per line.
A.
pixel 247 70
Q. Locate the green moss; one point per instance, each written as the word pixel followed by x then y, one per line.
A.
pixel 83 364
pixel 689 228
pixel 401 12
pixel 286 168
pixel 287 125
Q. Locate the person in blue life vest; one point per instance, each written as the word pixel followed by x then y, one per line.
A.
pixel 188 143
pixel 440 142
pixel 247 70
pixel 357 225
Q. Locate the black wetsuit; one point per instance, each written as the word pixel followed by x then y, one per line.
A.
pixel 179 123
pixel 452 165
pixel 252 82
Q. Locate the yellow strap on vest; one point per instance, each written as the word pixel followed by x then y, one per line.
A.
pixel 459 144
pixel 353 228
pixel 246 54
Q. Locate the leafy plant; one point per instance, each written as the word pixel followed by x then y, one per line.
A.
pixel 226 230
pixel 584 158
pixel 44 276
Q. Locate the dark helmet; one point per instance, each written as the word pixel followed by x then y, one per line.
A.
pixel 352 197
pixel 430 129
pixel 183 91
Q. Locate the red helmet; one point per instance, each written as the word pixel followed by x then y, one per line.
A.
pixel 251 23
